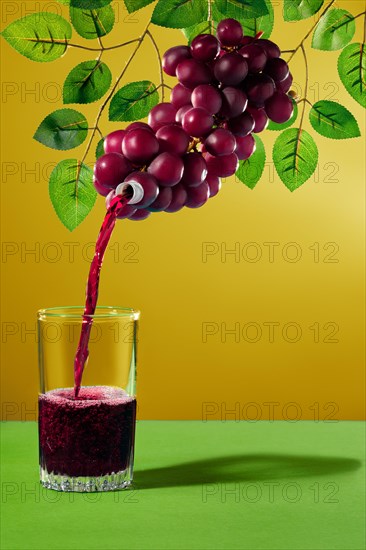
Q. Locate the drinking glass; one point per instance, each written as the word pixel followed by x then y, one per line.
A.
pixel 87 444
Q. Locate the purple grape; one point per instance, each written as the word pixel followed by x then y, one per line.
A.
pixel 104 191
pixel 197 196
pixel 181 112
pixel 135 125
pixel 178 199
pixel 173 139
pixel 139 215
pixel 140 146
pixel 245 147
pixel 230 69
pixel 271 49
pixel 167 168
pixel 163 200
pixel 220 142
pixel 229 32
pixel 279 107
pixel 241 125
pixel 149 185
pixel 255 57
pixel 277 69
pixel 246 40
pixel 260 118
pixel 234 102
pixel 207 97
pixel 197 122
pixel 205 47
pixel 161 115
pixel 285 84
pixel 191 73
pixel 173 57
pixel 195 169
pixel 222 167
pixel 259 88
pixel 127 211
pixel 180 95
pixel 113 141
pixel 214 184
pixel 111 169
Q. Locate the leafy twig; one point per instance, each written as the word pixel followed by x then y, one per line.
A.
pixel 80 46
pixel 310 31
pixel 110 95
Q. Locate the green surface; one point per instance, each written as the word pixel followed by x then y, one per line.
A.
pixel 214 485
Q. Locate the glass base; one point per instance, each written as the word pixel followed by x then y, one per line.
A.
pixel 111 482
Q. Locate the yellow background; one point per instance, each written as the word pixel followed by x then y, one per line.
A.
pixel 179 375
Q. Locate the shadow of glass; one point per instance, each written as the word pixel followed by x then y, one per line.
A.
pixel 247 467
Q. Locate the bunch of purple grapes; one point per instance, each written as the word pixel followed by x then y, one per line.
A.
pixel 229 87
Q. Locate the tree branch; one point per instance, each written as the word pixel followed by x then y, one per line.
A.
pixel 160 63
pixel 305 100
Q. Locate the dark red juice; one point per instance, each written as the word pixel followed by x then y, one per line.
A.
pixel 89 436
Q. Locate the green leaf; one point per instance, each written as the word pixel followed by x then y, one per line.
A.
pixel 135 5
pixel 275 126
pixel 89 4
pixel 242 9
pixel 262 23
pixel 294 10
pixel 40 36
pixel 295 156
pixel 134 101
pixel 63 129
pixel 251 170
pixel 178 14
pixel 100 148
pixel 201 28
pixel 334 30
pixel 87 82
pixel 332 120
pixel 352 71
pixel 92 23
pixel 72 192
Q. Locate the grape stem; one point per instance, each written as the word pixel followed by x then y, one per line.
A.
pixel 193 144
pixel 310 31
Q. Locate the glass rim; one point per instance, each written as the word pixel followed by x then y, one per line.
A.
pixel 77 312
